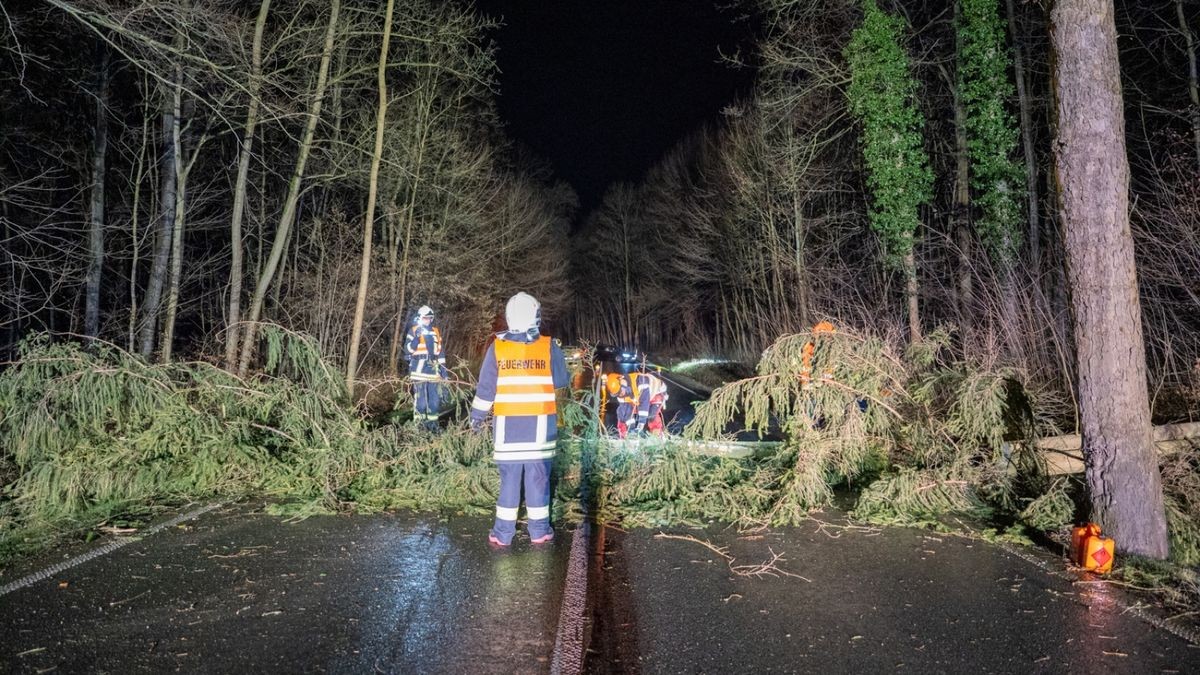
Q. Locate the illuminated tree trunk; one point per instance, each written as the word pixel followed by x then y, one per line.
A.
pixel 289 206
pixel 1093 179
pixel 962 208
pixel 166 227
pixel 168 336
pixel 372 190
pixel 1193 86
pixel 91 320
pixel 911 296
pixel 239 193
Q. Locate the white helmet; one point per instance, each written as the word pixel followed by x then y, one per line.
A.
pixel 425 311
pixel 523 313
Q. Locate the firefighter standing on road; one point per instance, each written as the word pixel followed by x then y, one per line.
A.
pixel 520 372
pixel 426 367
pixel 642 397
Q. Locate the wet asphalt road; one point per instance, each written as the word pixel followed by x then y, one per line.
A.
pixel 896 600
pixel 239 592
pixel 236 591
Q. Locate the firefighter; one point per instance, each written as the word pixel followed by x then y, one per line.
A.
pixel 642 397
pixel 426 368
pixel 520 372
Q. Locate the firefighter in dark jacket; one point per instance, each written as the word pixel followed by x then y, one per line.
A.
pixel 426 368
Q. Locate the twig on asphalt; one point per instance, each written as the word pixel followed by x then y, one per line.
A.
pixel 766 568
pixel 121 602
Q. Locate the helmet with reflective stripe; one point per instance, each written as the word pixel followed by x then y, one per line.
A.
pixel 612 383
pixel 425 311
pixel 523 313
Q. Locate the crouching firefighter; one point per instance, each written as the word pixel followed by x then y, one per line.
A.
pixel 641 397
pixel 426 368
pixel 520 372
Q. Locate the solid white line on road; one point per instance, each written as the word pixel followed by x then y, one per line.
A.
pixel 31 579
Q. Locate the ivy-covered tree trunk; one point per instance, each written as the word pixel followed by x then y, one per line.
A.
pixel 1093 179
pixel 882 97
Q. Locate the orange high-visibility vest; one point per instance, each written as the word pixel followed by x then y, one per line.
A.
pixel 422 350
pixel 654 384
pixel 524 381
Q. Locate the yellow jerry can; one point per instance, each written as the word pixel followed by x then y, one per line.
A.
pixel 1098 554
pixel 1077 536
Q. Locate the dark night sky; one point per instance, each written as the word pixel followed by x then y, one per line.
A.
pixel 602 88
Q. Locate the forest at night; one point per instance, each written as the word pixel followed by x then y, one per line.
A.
pixel 941 257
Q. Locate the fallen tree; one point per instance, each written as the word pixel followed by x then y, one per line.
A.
pixel 1064 454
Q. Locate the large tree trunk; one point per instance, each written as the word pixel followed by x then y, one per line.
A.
pixel 233 315
pixel 289 206
pixel 166 227
pixel 1093 179
pixel 91 320
pixel 1031 167
pixel 372 191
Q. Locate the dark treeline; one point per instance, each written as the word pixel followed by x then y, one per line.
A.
pixel 762 224
pixel 175 172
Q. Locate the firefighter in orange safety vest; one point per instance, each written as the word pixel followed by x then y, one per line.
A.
pixel 426 368
pixel 517 380
pixel 642 397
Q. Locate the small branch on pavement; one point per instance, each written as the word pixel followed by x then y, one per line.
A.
pixel 766 568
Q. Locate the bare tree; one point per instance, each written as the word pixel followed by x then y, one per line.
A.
pixel 1193 85
pixel 91 321
pixel 288 214
pixel 168 167
pixel 1031 168
pixel 232 324
pixel 372 190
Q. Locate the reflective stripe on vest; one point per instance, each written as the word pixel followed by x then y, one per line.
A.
pixel 654 384
pixel 421 349
pixel 524 382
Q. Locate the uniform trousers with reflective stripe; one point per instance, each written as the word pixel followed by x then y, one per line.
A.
pixel 427 400
pixel 535 476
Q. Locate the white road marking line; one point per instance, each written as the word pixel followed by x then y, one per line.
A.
pixel 30 579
